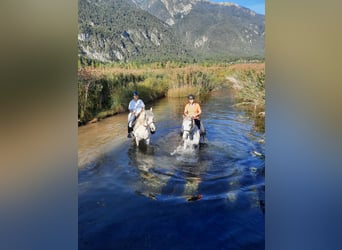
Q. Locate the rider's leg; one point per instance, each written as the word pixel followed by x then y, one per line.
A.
pixel 131 118
pixel 129 130
pixel 198 123
pixel 202 129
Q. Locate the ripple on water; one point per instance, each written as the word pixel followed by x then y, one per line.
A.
pixel 151 184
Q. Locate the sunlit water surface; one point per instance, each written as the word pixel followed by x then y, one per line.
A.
pixel 149 198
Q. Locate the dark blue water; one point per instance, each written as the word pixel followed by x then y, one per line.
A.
pixel 147 198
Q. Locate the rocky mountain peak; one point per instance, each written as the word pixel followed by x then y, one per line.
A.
pixel 148 30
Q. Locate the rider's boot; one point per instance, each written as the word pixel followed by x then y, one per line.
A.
pixel 202 129
pixel 129 129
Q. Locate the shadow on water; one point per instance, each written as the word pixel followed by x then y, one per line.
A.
pixel 148 198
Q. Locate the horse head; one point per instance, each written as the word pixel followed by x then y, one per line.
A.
pixel 149 121
pixel 144 126
pixel 191 134
pixel 188 125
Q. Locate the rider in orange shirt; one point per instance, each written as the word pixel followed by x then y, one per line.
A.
pixel 193 109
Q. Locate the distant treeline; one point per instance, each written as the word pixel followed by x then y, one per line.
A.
pixel 162 62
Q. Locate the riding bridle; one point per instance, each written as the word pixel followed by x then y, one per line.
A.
pixel 148 125
pixel 191 127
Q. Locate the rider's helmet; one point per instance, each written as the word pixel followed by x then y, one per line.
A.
pixel 135 93
pixel 191 97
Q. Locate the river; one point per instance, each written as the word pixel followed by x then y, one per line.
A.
pixel 148 198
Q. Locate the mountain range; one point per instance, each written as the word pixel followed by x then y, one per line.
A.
pixel 161 30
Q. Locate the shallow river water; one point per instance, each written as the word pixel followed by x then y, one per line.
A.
pixel 149 198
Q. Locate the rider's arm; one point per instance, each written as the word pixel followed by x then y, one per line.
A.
pixel 199 110
pixel 140 106
pixel 186 111
pixel 131 106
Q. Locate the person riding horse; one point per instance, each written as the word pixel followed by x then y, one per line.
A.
pixel 135 107
pixel 193 110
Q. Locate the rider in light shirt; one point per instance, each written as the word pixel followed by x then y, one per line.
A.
pixel 135 106
pixel 193 109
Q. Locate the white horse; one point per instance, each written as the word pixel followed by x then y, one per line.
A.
pixel 144 127
pixel 191 134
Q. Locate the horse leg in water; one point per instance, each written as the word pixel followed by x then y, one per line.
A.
pixel 192 141
pixel 137 141
pixel 147 141
pixel 187 143
pixel 185 146
pixel 197 138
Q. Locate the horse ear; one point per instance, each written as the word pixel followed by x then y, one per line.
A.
pixel 151 109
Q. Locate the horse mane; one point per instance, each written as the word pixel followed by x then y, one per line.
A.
pixel 141 117
pixel 148 112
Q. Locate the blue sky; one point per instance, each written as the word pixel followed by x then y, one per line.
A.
pixel 257 6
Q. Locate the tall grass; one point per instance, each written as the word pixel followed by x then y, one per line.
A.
pixel 101 95
pixel 249 87
pixel 107 90
pixel 193 80
pixel 252 87
pixel 182 91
